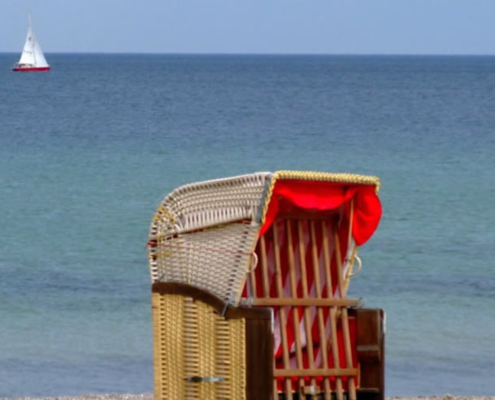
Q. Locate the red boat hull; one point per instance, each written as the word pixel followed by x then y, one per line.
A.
pixel 31 69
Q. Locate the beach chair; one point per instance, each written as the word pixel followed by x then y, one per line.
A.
pixel 249 289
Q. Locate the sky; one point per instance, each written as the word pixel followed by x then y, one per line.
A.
pixel 253 26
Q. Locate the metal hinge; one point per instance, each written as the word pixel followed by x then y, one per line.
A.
pixel 201 379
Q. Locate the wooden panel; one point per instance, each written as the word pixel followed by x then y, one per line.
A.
pixel 371 353
pixel 259 359
pixel 369 394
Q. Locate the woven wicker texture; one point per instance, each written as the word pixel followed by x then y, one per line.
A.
pixel 216 259
pixel 192 340
pixel 203 204
pixel 168 327
pixel 203 234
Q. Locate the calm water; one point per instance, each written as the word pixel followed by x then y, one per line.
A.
pixel 88 151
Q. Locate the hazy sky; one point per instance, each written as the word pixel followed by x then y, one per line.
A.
pixel 253 26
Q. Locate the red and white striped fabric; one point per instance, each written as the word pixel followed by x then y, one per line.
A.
pixel 304 222
pixel 303 258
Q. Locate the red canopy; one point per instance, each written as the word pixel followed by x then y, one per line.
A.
pixel 292 196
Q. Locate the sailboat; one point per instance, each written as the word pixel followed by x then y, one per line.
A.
pixel 32 58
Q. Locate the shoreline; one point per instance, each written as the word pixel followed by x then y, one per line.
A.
pixel 149 396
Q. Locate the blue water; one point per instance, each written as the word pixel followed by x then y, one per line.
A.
pixel 88 150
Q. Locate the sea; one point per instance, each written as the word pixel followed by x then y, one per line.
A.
pixel 89 150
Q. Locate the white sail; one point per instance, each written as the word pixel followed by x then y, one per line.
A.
pixel 39 58
pixel 32 54
pixel 27 56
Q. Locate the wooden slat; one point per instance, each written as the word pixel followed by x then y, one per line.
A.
pixel 276 301
pixel 321 321
pixel 344 317
pixel 316 372
pixel 307 313
pixel 264 268
pixel 266 292
pixel 351 217
pixel 293 289
pixel 354 251
pixel 252 281
pixel 349 272
pixel 333 312
pixel 337 306
pixel 283 318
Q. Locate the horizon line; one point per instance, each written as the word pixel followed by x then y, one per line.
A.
pixel 263 54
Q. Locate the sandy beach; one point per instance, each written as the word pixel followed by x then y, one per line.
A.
pixel 150 397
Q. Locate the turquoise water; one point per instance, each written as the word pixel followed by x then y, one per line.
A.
pixel 88 151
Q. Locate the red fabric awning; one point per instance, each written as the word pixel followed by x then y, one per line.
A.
pixel 293 196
